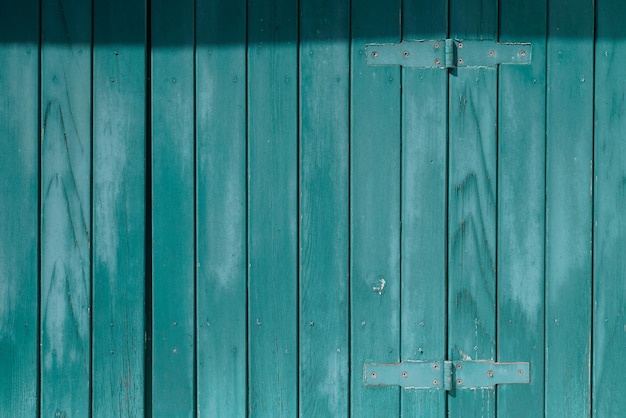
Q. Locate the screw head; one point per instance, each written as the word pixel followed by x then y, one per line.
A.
pixel 491 52
pixel 459 382
pixel 460 45
pixel 437 46
pixel 435 382
pixel 405 53
pixel 436 366
pixel 405 374
pixel 490 373
pixel 459 366
pixel 522 53
pixel 374 375
pixel 374 54
pixel 520 372
pixel 437 61
pixel 461 61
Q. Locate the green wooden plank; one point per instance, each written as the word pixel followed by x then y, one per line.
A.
pixel 221 208
pixel 324 159
pixel 119 185
pixel 569 157
pixel 424 222
pixel 609 240
pixel 19 207
pixel 472 207
pixel 374 210
pixel 173 208
pixel 65 208
pixel 521 205
pixel 272 208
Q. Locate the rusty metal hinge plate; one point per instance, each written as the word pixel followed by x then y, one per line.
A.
pixel 448 53
pixel 447 375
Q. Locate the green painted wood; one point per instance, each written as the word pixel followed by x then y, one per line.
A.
pixel 221 208
pixel 521 206
pixel 472 208
pixel 65 208
pixel 609 239
pixel 569 157
pixel 272 208
pixel 19 208
pixel 173 209
pixel 424 222
pixel 119 210
pixel 324 238
pixel 374 210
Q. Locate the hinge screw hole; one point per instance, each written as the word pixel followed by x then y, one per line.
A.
pixel 520 372
pixel 491 53
pixel 460 44
pixel 406 53
pixel 435 382
pixel 489 373
pixel 437 46
pixel 522 53
pixel 437 61
pixel 405 374
pixel 459 382
pixel 461 61
pixel 374 375
pixel 459 366
pixel 374 54
pixel 436 366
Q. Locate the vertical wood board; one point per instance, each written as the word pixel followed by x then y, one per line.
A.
pixel 119 209
pixel 424 197
pixel 569 154
pixel 19 208
pixel 609 238
pixel 323 249
pixel 65 208
pixel 472 189
pixel 272 208
pixel 173 209
pixel 375 172
pixel 221 208
pixel 521 208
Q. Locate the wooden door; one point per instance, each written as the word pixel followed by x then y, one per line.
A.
pixel 217 208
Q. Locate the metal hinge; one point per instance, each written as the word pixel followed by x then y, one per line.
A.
pixel 447 375
pixel 448 53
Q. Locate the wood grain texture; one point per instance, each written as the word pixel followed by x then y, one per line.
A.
pixel 472 208
pixel 221 208
pixel 609 239
pixel 65 208
pixel 173 209
pixel 521 206
pixel 273 208
pixel 374 210
pixel 119 210
pixel 424 222
pixel 569 207
pixel 324 159
pixel 19 208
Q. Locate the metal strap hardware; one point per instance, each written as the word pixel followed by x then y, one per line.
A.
pixel 447 375
pixel 448 53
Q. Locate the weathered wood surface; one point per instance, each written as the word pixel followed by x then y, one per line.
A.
pixel 569 165
pixel 66 230
pixel 19 208
pixel 173 209
pixel 323 220
pixel 119 208
pixel 521 207
pixel 272 208
pixel 221 224
pixel 424 207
